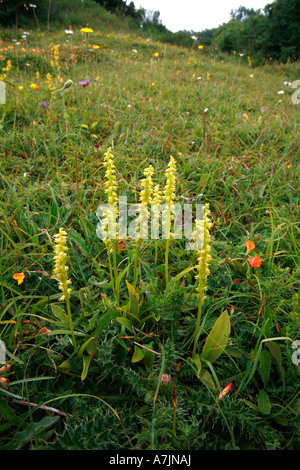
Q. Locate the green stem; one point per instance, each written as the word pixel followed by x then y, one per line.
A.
pixel 167 261
pixel 115 271
pixel 52 133
pixel 135 269
pixel 197 329
pixel 111 273
pixel 155 258
pixel 70 319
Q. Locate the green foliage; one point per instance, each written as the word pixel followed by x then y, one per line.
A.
pixel 132 365
pixel 263 35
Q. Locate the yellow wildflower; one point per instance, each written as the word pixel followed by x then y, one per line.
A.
pixel 19 277
pixel 86 30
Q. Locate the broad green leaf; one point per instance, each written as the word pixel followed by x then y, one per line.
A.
pixel 149 356
pixel 121 275
pixel 183 273
pixel 65 332
pixel 86 363
pixel 296 407
pixel 8 413
pixel 92 347
pixel 59 313
pixel 103 284
pixel 79 241
pixel 103 323
pixel 207 379
pixel 133 299
pixel 217 339
pixel 265 366
pixel 276 353
pixel 94 343
pixel 35 428
pixel 125 322
pixel 138 354
pixel 264 402
pixel 94 124
pixel 70 367
pixel 196 360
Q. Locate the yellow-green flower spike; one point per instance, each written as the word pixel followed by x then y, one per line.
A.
pixel 157 198
pixel 204 258
pixel 61 269
pixel 110 187
pixel 169 192
pixel 203 254
pixel 147 185
pixel 111 181
pixel 145 201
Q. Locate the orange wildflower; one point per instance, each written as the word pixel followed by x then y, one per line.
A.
pixel 225 391
pixel 255 262
pixel 245 116
pixel 44 330
pixel 19 277
pixel 3 381
pixel 250 246
pixel 4 368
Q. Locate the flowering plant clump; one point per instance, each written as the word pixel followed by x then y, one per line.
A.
pixel 169 197
pixel 204 257
pixel 61 273
pixel 157 198
pixel 144 214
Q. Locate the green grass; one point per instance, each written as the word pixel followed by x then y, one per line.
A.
pixel 52 175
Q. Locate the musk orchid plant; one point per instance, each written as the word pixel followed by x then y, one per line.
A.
pixel 169 197
pixel 110 215
pixel 61 273
pixel 204 257
pixel 144 215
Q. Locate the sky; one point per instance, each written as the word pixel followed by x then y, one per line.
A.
pixel 196 15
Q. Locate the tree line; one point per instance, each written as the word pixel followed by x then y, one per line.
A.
pixel 269 33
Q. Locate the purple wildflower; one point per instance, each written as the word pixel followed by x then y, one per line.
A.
pixel 84 83
pixel 188 199
pixel 43 104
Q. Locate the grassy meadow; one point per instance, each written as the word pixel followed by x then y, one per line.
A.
pixel 153 346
